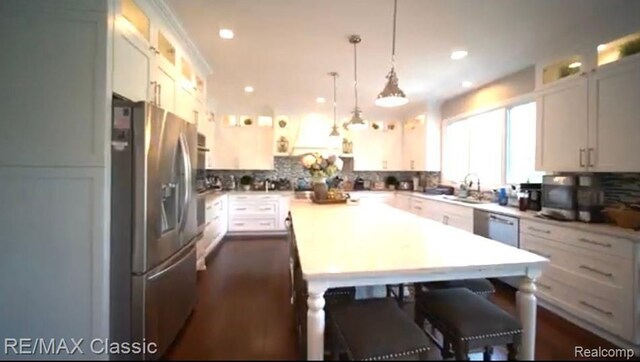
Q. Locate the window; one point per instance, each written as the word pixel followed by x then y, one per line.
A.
pixel 521 144
pixel 498 146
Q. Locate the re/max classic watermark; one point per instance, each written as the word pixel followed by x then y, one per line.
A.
pixel 75 346
pixel 617 353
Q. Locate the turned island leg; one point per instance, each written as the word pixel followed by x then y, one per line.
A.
pixel 315 324
pixel 526 302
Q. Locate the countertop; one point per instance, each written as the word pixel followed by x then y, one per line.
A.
pixel 607 229
pixel 379 239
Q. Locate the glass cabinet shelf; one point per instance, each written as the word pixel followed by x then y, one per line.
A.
pixel 136 17
pixel 618 49
pixel 166 49
pixel 561 69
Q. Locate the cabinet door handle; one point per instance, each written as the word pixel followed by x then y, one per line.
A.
pixel 216 218
pixel 160 94
pixel 155 92
pixel 582 150
pixel 539 230
pixel 417 207
pixel 593 270
pixel 587 241
pixel 209 207
pixel 589 159
pixel 543 286
pixel 548 256
pixel 412 164
pixel 607 313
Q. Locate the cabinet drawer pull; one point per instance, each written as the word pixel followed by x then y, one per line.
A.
pixel 238 223
pixel 417 207
pixel 607 313
pixel 593 270
pixel 241 208
pixel 216 218
pixel 543 286
pixel 548 256
pixel 539 230
pixel 584 240
pixel 265 208
pixel 209 207
pixel 265 223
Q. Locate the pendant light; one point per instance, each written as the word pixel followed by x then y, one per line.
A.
pixel 392 95
pixel 356 121
pixel 334 130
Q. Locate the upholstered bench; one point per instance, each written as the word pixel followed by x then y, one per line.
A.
pixel 375 329
pixel 468 321
pixel 481 287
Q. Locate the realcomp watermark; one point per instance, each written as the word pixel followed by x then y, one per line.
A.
pixel 75 346
pixel 617 353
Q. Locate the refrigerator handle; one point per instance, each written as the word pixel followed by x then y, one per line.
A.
pixel 186 162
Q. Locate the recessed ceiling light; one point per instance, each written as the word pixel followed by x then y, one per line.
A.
pixel 226 33
pixel 458 54
pixel 467 84
pixel 248 89
pixel 575 65
pixel 320 100
pixel 601 47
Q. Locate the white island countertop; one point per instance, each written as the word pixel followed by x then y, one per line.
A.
pixel 380 239
pixel 377 244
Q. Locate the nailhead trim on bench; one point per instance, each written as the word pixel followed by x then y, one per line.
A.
pixel 491 335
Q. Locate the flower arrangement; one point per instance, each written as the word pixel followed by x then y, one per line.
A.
pixel 321 166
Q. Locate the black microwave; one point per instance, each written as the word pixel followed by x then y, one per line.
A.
pixel 560 197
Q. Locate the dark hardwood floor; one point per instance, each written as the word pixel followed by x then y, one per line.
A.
pixel 243 311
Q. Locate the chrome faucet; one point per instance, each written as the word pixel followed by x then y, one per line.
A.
pixel 467 183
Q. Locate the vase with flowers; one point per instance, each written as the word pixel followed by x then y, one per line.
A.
pixel 320 167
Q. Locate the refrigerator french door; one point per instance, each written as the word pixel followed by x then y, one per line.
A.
pixel 153 225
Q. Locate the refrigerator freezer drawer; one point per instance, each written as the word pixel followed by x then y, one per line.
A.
pixel 165 297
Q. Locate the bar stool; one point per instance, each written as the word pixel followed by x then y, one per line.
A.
pixel 375 329
pixel 468 321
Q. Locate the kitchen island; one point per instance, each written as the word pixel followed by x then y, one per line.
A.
pixel 376 244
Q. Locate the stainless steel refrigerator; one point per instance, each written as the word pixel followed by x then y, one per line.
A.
pixel 153 225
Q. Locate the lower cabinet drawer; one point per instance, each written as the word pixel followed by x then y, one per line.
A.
pixel 252 224
pixel 604 313
pixel 263 208
pixel 591 266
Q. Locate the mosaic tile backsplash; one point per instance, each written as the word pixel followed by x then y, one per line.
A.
pixel 621 188
pixel 290 168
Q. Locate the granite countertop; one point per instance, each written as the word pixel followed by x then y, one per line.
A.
pixel 600 228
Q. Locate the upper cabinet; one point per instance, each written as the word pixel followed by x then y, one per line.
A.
pixel 421 144
pixel 591 121
pixel 244 143
pixel 150 65
pixel 378 148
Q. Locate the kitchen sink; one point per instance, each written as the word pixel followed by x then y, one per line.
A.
pixel 468 200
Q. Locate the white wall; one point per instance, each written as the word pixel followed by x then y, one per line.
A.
pixel 55 96
pixel 510 86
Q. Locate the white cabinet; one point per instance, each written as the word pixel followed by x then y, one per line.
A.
pixel 591 123
pixel 243 148
pixel 378 150
pixel 132 64
pixel 257 213
pixel 215 228
pixel 460 217
pixel 591 276
pixel 561 136
pixel 421 144
pixel 614 117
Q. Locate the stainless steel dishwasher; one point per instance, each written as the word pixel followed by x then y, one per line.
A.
pixel 501 228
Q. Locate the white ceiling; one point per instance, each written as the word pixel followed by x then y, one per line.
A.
pixel 285 48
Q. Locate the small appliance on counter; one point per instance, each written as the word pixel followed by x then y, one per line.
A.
pixel 283 184
pixel 405 185
pixel 533 193
pixel 590 199
pixel 359 184
pixel 559 197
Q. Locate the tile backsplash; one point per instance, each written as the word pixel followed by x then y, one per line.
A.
pixel 290 168
pixel 621 187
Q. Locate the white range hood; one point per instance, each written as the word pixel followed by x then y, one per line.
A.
pixel 313 136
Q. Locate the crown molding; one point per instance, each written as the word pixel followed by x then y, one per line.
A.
pixel 175 25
